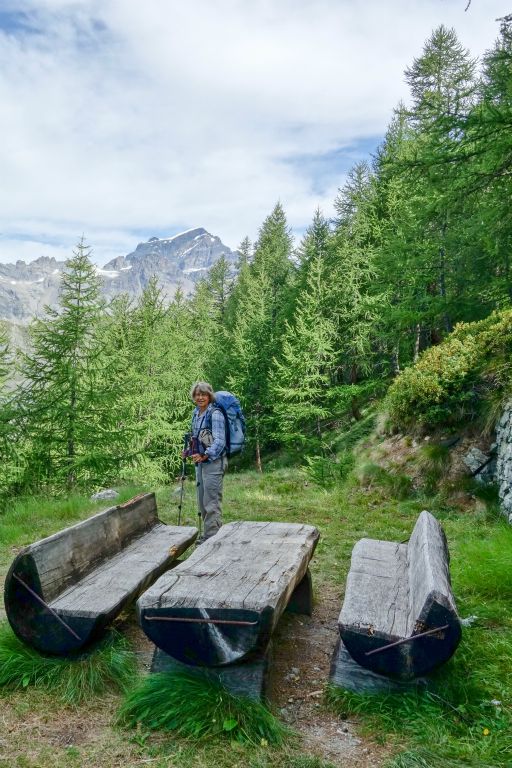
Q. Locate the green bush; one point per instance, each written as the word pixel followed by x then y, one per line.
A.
pixel 328 472
pixel 451 381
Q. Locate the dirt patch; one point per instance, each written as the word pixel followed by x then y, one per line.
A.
pixel 301 658
pixel 303 647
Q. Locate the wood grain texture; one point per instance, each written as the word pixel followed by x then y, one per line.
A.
pixel 395 591
pixel 129 548
pixel 246 573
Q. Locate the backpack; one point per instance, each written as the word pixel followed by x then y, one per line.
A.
pixel 234 419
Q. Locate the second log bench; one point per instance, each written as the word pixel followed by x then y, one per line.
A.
pixel 399 617
pixel 61 592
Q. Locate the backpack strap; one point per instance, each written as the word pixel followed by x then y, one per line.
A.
pixel 226 427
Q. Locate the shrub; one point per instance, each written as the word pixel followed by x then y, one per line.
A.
pixel 450 382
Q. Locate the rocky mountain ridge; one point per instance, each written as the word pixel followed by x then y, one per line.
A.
pixel 179 260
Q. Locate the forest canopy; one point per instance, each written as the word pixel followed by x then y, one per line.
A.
pixel 304 334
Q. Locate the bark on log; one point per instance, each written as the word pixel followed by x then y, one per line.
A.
pixel 396 591
pixel 87 573
pixel 222 604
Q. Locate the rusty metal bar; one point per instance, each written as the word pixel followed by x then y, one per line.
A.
pixel 202 621
pixel 407 640
pixel 45 605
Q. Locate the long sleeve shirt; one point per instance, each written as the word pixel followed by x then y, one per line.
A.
pixel 201 421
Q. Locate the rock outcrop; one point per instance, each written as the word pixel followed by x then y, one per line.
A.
pixel 504 461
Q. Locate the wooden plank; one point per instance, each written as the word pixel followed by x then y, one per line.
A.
pixel 246 573
pixel 377 591
pixel 249 679
pixel 348 674
pixel 429 573
pixel 121 577
pixel 65 557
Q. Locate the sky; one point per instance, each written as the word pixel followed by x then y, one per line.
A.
pixel 121 120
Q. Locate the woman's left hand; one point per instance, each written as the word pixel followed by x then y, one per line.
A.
pixel 197 458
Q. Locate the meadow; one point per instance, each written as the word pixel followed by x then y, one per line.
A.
pixel 463 720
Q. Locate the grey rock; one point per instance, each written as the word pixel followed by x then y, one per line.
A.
pixel 108 493
pixel 504 461
pixel 475 460
pixel 180 260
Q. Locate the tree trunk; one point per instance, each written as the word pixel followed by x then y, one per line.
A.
pixel 417 343
pixel 258 456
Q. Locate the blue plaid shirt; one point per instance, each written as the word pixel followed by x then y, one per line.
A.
pixel 201 420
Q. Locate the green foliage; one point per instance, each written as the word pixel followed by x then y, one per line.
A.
pixel 301 374
pixel 371 475
pixel 194 705
pixel 73 680
pixel 331 471
pixel 449 382
pixel 434 463
pixel 68 407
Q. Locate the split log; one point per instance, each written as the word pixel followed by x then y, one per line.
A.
pixel 61 592
pixel 399 616
pixel 221 605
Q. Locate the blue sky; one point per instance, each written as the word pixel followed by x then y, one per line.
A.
pixel 122 120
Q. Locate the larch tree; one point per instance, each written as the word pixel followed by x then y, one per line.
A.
pixel 68 403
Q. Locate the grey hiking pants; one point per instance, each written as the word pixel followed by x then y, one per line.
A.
pixel 209 478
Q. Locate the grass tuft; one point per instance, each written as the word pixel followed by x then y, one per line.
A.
pixel 425 758
pixel 110 664
pixel 194 705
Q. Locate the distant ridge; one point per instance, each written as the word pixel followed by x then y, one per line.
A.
pixel 180 259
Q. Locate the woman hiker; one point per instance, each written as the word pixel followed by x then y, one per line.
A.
pixel 209 457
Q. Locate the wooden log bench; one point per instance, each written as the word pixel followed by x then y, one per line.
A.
pixel 62 591
pixel 399 617
pixel 220 606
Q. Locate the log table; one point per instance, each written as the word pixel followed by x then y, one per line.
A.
pixel 398 618
pixel 61 592
pixel 219 607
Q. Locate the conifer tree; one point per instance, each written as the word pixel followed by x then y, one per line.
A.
pixel 69 399
pixel 11 439
pixel 260 302
pixel 252 346
pixel 301 376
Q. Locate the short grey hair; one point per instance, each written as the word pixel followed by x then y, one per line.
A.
pixel 204 388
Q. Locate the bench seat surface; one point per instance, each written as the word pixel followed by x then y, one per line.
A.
pixel 247 565
pixel 124 573
pixel 377 591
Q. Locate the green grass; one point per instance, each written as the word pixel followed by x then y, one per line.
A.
pixel 421 731
pixel 195 705
pixel 108 666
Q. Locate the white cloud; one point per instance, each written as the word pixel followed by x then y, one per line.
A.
pixel 121 117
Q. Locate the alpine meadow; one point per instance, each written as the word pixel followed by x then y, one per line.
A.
pixel 364 357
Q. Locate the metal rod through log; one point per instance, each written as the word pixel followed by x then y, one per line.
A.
pixel 202 621
pixel 40 600
pixel 407 639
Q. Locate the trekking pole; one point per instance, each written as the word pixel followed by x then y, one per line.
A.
pixel 183 473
